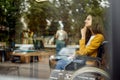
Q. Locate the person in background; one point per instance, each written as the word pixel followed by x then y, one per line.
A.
pixel 91 38
pixel 31 33
pixel 25 37
pixel 35 41
pixel 61 37
pixel 11 43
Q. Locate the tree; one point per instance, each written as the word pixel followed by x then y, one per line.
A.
pixel 38 14
pixel 71 12
pixel 9 10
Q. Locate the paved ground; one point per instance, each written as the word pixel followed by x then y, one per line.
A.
pixel 33 71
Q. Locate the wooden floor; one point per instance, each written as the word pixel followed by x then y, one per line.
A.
pixel 34 70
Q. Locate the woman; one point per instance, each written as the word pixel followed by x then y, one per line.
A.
pixel 91 38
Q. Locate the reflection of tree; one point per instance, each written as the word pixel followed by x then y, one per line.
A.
pixel 39 12
pixel 71 12
pixel 9 13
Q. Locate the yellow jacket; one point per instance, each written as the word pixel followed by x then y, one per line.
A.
pixel 92 48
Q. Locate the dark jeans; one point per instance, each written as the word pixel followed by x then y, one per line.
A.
pixel 3 54
pixel 61 64
pixel 70 65
pixel 38 44
pixel 59 45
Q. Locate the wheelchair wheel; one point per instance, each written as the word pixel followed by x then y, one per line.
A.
pixel 90 73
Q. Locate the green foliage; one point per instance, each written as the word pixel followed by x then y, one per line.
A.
pixel 9 10
pixel 72 13
pixel 39 12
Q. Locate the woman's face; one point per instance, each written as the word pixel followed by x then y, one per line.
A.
pixel 88 21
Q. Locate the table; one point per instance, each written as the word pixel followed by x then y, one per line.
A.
pixel 54 46
pixel 26 57
pixel 49 45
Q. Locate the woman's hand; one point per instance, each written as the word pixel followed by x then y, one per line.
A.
pixel 83 32
pixel 71 57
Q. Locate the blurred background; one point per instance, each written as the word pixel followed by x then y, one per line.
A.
pixel 20 17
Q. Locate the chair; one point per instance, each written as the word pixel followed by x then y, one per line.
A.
pixel 80 59
pixel 79 71
pixel 94 72
pixel 38 44
pixel 101 53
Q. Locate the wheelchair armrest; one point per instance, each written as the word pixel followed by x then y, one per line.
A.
pixel 87 58
pixel 97 59
pixel 93 58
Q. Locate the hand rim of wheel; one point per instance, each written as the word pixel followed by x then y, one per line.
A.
pixel 90 69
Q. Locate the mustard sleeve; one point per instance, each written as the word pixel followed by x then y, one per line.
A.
pixel 94 44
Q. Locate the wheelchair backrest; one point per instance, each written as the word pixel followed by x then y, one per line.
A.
pixel 102 49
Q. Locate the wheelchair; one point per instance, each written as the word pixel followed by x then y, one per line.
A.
pixel 84 72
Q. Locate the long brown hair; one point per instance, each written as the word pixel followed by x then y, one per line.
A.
pixel 97 27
